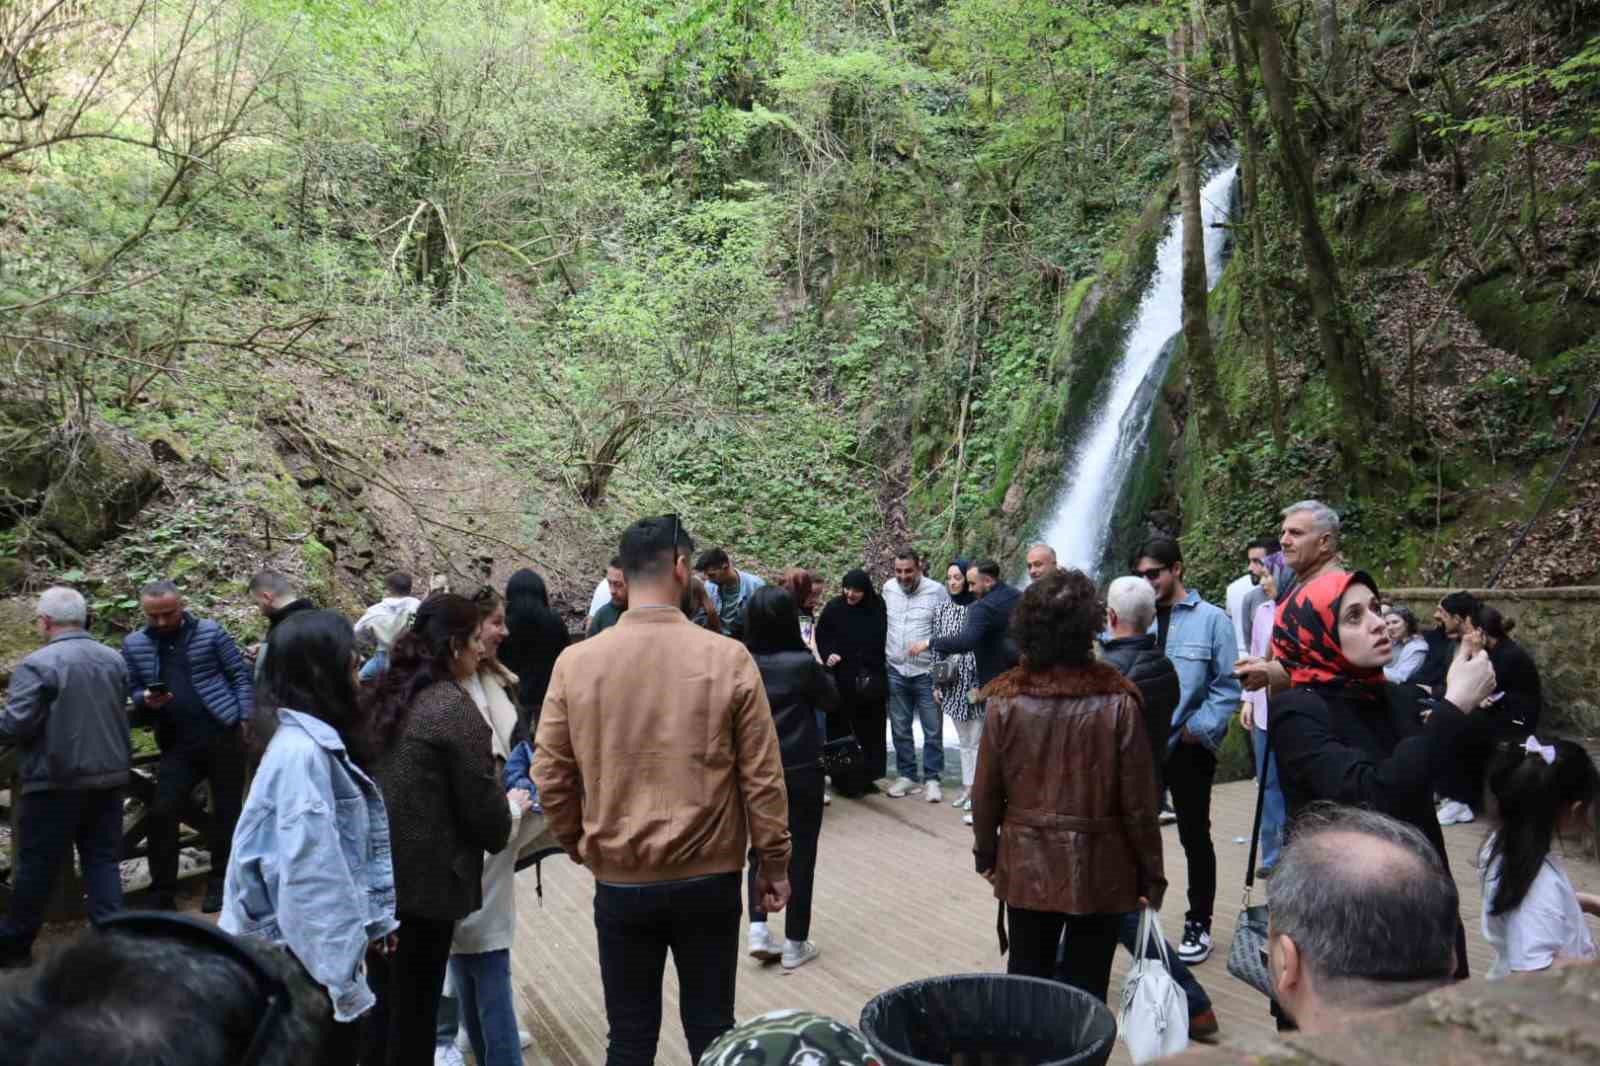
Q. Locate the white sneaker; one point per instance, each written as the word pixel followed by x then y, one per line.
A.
pixel 1195 947
pixel 1166 818
pixel 448 1055
pixel 934 793
pixel 827 797
pixel 966 819
pixel 903 786
pixel 961 798
pixel 524 1038
pixel 796 953
pixel 1454 813
pixel 761 944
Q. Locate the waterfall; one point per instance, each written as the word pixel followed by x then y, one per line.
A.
pixel 1081 521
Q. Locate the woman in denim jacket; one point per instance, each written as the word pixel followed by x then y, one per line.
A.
pixel 310 868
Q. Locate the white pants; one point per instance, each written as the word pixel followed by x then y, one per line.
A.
pixel 967 735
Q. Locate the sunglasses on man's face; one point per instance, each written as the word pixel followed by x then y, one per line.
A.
pixel 1152 573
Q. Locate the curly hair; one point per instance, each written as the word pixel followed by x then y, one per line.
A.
pixel 443 625
pixel 1056 622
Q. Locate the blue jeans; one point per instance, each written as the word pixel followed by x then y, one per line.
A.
pixel 48 825
pixel 1272 810
pixel 1199 1002
pixel 483 991
pixel 374 667
pixel 912 697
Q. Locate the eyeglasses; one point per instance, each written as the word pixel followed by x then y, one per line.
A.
pixel 1151 574
pixel 208 937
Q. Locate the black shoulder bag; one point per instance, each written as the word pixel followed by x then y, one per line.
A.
pixel 1247 955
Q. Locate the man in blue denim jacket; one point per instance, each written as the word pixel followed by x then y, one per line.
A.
pixel 1199 639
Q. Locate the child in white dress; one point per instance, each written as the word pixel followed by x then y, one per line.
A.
pixel 1532 915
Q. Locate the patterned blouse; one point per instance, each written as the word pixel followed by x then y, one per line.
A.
pixel 948 620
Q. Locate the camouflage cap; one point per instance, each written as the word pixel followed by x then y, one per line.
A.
pixel 791 1038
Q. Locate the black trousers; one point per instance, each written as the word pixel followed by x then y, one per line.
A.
pixel 1091 943
pixel 636 926
pixel 1463 780
pixel 408 983
pixel 805 826
pixel 1191 769
pixel 868 720
pixel 221 762
pixel 50 823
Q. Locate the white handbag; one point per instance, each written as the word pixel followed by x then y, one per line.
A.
pixel 1155 1013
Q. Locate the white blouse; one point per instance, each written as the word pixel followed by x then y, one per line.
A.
pixel 1547 925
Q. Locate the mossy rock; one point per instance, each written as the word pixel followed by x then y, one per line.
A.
pixel 1394 230
pixel 1529 319
pixel 12 571
pixel 1402 144
pixel 99 478
pixel 19 637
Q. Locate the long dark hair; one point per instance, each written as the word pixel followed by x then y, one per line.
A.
pixel 308 669
pixel 771 622
pixel 535 635
pixel 1530 798
pixel 1492 622
pixel 421 657
pixel 527 601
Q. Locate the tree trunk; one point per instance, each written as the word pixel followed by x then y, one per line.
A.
pixel 1341 349
pixel 1196 322
pixel 1250 176
pixel 1330 46
pixel 1530 154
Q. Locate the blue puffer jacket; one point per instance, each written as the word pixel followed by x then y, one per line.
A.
pixel 216 669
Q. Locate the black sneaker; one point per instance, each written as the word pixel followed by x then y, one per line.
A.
pixel 1196 945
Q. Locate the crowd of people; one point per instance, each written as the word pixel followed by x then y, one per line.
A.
pixel 683 752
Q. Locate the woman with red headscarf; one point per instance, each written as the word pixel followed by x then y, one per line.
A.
pixel 1341 732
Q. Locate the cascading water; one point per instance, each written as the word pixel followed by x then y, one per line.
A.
pixel 1111 441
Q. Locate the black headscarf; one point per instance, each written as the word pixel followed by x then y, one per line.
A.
pixel 966 595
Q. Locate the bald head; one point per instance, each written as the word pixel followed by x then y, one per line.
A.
pixel 1041 561
pixel 1363 913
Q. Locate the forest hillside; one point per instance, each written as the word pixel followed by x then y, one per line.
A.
pixel 340 286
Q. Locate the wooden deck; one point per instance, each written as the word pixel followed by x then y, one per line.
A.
pixel 896 900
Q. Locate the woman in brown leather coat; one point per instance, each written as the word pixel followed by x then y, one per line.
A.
pixel 1065 769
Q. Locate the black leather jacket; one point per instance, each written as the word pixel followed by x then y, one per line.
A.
pixel 797 688
pixel 1153 674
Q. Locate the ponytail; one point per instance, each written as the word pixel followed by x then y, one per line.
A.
pixel 1532 785
pixel 1492 622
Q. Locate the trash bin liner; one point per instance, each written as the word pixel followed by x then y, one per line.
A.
pixel 988 1019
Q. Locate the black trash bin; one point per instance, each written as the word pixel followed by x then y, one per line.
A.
pixel 988 1019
